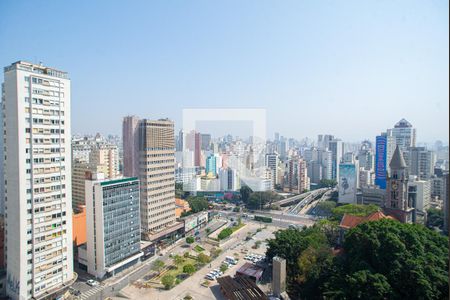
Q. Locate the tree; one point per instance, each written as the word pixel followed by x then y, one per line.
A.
pixel 245 192
pixel 186 254
pixel 326 207
pixel 225 233
pixel 215 252
pixel 290 243
pixel 203 258
pixel 168 281
pixel 189 269
pixel 158 265
pixel 327 183
pixel 435 218
pixel 411 258
pixel 178 260
pixel 197 204
pixel 190 240
pixel 223 268
pixel 353 209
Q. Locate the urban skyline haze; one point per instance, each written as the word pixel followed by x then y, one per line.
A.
pixel 352 69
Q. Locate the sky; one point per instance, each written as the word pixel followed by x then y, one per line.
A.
pixel 348 68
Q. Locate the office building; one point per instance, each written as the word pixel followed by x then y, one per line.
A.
pixel 420 162
pixel 421 191
pixel 271 162
pixel 113 225
pixel 205 142
pixel 102 158
pixel 385 146
pixel 157 176
pixel 325 158
pixel 323 141
pixel 130 146
pixel 229 180
pixel 37 166
pixel 348 182
pixel 404 134
pixel 336 148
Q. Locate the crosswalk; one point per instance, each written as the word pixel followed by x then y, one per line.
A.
pixel 88 294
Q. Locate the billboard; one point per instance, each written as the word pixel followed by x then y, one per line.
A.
pixel 347 183
pixel 380 161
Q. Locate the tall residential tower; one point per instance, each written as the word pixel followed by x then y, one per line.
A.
pixel 36 107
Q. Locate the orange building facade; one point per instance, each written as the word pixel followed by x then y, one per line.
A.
pixel 79 227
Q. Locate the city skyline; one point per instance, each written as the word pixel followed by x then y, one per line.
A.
pixel 165 60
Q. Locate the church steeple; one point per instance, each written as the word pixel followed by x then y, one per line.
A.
pixel 397 161
pixel 396 202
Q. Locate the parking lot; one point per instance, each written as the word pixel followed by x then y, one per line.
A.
pixel 238 246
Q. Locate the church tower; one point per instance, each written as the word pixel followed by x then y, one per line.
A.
pixel 396 203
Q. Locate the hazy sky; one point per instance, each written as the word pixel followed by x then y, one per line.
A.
pixel 349 68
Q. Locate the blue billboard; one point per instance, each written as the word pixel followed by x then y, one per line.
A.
pixel 381 161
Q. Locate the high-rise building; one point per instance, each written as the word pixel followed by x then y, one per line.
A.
pixel 271 161
pixel 38 214
pixel 205 142
pixel 102 158
pixel 385 146
pixel 130 146
pixel 2 156
pixel 228 179
pixel 420 162
pixel 315 171
pixel 336 148
pixel 397 202
pixel 157 176
pixel 323 141
pixel 421 190
pixel 296 178
pixel 113 225
pixel 348 182
pixel 325 158
pixel 211 165
pixel 404 134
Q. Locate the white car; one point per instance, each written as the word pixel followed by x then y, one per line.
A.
pixel 209 277
pixel 92 282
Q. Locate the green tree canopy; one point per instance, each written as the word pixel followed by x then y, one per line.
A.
pixel 198 204
pixel 168 281
pixel 158 265
pixel 245 192
pixel 435 218
pixel 189 269
pixel 412 258
pixel 353 209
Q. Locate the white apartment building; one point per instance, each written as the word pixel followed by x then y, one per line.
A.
pixel 37 170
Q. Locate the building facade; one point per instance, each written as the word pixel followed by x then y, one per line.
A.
pixel 130 146
pixel 385 146
pixel 397 202
pixel 38 214
pixel 404 134
pixel 113 225
pixel 157 175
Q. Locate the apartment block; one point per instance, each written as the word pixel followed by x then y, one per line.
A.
pixel 37 174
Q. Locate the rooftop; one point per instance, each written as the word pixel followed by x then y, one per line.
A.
pixel 397 161
pixel 403 123
pixel 350 221
pixel 240 288
pixel 36 68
